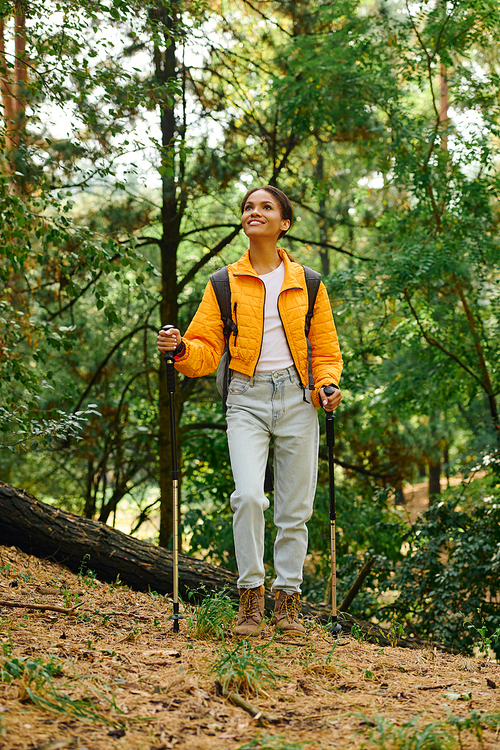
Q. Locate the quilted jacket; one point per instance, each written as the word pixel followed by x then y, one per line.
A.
pixel 204 340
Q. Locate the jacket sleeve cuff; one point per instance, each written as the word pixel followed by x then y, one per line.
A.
pixel 180 351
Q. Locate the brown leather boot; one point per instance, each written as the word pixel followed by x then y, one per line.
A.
pixel 251 612
pixel 286 613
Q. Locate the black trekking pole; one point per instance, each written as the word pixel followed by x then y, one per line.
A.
pixel 335 627
pixel 169 361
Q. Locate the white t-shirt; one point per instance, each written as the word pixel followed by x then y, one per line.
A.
pixel 274 354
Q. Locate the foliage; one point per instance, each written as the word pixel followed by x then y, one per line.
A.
pixel 451 573
pixel 484 640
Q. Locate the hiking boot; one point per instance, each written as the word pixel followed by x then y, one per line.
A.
pixel 286 613
pixel 251 612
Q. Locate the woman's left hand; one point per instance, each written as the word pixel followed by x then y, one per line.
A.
pixel 330 403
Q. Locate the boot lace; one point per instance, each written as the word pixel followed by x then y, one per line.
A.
pixel 250 601
pixel 289 605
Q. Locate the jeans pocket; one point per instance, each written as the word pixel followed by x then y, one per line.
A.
pixel 295 379
pixel 239 384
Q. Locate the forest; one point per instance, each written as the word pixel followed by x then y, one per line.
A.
pixel 131 130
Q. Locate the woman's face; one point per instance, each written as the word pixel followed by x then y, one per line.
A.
pixel 261 217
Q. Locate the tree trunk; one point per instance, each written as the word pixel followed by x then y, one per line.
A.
pixel 434 480
pixel 171 216
pixel 13 86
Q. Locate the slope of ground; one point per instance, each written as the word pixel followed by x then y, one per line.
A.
pixel 113 674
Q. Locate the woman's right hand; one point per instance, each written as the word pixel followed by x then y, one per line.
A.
pixel 169 340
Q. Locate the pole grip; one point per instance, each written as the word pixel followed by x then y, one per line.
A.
pixel 330 423
pixel 170 361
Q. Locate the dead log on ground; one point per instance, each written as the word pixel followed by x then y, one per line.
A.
pixel 51 533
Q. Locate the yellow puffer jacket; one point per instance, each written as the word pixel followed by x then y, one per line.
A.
pixel 204 340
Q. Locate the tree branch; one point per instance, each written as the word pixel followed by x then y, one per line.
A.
pixel 434 342
pixel 204 260
pixel 269 20
pixel 204 229
pixel 327 245
pixel 75 299
pixel 106 360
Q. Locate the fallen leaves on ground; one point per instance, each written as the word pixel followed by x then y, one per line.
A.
pixel 124 679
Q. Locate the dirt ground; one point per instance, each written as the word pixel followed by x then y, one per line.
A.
pixel 122 678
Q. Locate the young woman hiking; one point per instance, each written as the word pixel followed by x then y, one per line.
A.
pixel 267 397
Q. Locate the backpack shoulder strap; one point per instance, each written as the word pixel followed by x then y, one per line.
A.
pixel 220 284
pixel 313 280
pixel 222 290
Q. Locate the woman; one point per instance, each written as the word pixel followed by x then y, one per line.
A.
pixel 266 397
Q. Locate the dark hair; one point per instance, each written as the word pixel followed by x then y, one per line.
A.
pixel 285 205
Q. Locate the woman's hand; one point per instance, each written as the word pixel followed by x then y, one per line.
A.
pixel 169 340
pixel 330 403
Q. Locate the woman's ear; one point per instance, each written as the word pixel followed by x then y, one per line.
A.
pixel 285 225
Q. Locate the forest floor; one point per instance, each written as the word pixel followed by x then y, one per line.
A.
pixel 115 675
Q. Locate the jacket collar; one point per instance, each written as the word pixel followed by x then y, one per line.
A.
pixel 293 277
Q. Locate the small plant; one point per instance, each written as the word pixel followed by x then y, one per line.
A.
pixel 71 599
pixel 433 736
pixel 312 663
pixel 30 671
pixel 244 669
pixel 35 680
pixel 87 575
pixel 474 722
pixel 395 632
pixel 273 742
pixel 133 633
pixel 213 617
pixel 485 642
pixel 386 736
pixel 357 633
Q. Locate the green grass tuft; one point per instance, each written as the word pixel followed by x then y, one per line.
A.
pixel 213 618
pixel 245 669
pixel 273 742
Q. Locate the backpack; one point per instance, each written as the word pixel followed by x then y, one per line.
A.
pixel 222 289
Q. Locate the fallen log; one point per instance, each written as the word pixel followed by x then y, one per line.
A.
pixel 51 533
pixel 69 539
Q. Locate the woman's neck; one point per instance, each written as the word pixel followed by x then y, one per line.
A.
pixel 264 256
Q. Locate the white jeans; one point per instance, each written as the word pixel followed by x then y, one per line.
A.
pixel 271 403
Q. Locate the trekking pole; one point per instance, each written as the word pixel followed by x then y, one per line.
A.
pixel 335 627
pixel 169 361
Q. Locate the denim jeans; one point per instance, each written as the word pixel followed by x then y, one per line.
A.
pixel 271 404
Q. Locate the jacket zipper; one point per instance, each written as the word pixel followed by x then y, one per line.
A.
pixel 262 334
pixel 235 323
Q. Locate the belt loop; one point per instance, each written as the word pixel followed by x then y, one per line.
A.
pixel 251 381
